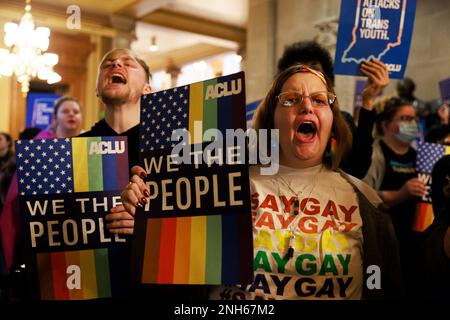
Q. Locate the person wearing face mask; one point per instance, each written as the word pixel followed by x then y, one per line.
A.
pixel 393 172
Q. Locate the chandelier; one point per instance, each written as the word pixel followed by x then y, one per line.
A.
pixel 25 57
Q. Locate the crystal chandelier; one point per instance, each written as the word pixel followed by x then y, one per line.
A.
pixel 25 57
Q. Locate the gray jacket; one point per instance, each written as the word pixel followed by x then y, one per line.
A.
pixel 380 244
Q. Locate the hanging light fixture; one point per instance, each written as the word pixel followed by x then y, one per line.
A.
pixel 25 55
pixel 153 45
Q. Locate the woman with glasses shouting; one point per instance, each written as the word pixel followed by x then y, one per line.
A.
pixel 316 229
pixel 393 173
pixel 317 232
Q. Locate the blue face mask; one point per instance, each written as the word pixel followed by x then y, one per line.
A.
pixel 408 131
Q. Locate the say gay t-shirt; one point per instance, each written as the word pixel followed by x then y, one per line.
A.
pixel 314 211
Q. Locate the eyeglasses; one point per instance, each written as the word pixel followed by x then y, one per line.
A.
pixel 407 119
pixel 318 99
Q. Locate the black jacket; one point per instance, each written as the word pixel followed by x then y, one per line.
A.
pixel 359 159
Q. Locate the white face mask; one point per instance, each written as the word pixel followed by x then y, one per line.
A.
pixel 408 131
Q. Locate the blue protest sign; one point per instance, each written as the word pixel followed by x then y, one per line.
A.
pixel 40 109
pixel 250 110
pixel 374 29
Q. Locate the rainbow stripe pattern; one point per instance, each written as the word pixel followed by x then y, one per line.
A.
pixel 66 166
pixel 94 171
pixel 195 250
pixel 424 216
pixel 188 247
pixel 93 266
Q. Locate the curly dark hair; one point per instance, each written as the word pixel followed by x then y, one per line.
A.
pixel 303 52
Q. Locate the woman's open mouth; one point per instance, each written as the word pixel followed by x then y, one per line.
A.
pixel 306 131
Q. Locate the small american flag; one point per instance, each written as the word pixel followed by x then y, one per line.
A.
pixel 217 103
pixel 428 154
pixel 162 112
pixel 53 166
pixel 44 166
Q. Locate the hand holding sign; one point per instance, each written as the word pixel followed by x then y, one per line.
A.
pixel 413 188
pixel 120 221
pixel 136 192
pixel 377 79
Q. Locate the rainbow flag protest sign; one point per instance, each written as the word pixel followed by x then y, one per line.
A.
pixel 427 155
pixel 66 187
pixel 196 228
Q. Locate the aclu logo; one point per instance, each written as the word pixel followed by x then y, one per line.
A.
pixel 223 89
pixel 394 67
pixel 106 147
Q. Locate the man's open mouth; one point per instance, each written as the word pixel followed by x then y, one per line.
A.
pixel 118 78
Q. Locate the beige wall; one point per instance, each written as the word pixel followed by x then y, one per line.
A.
pixel 260 57
pixel 293 20
pixel 429 59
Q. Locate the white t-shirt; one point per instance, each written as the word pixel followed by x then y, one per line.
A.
pixel 316 212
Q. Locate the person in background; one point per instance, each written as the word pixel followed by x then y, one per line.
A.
pixel 7 165
pixel 443 113
pixel 5 148
pixel 66 123
pixel 8 170
pixel 393 174
pixel 405 90
pixel 440 132
pixel 304 247
pixel 312 54
pixel 433 253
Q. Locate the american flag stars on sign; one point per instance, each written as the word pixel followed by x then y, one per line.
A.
pixel 44 166
pixel 427 155
pixel 161 113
